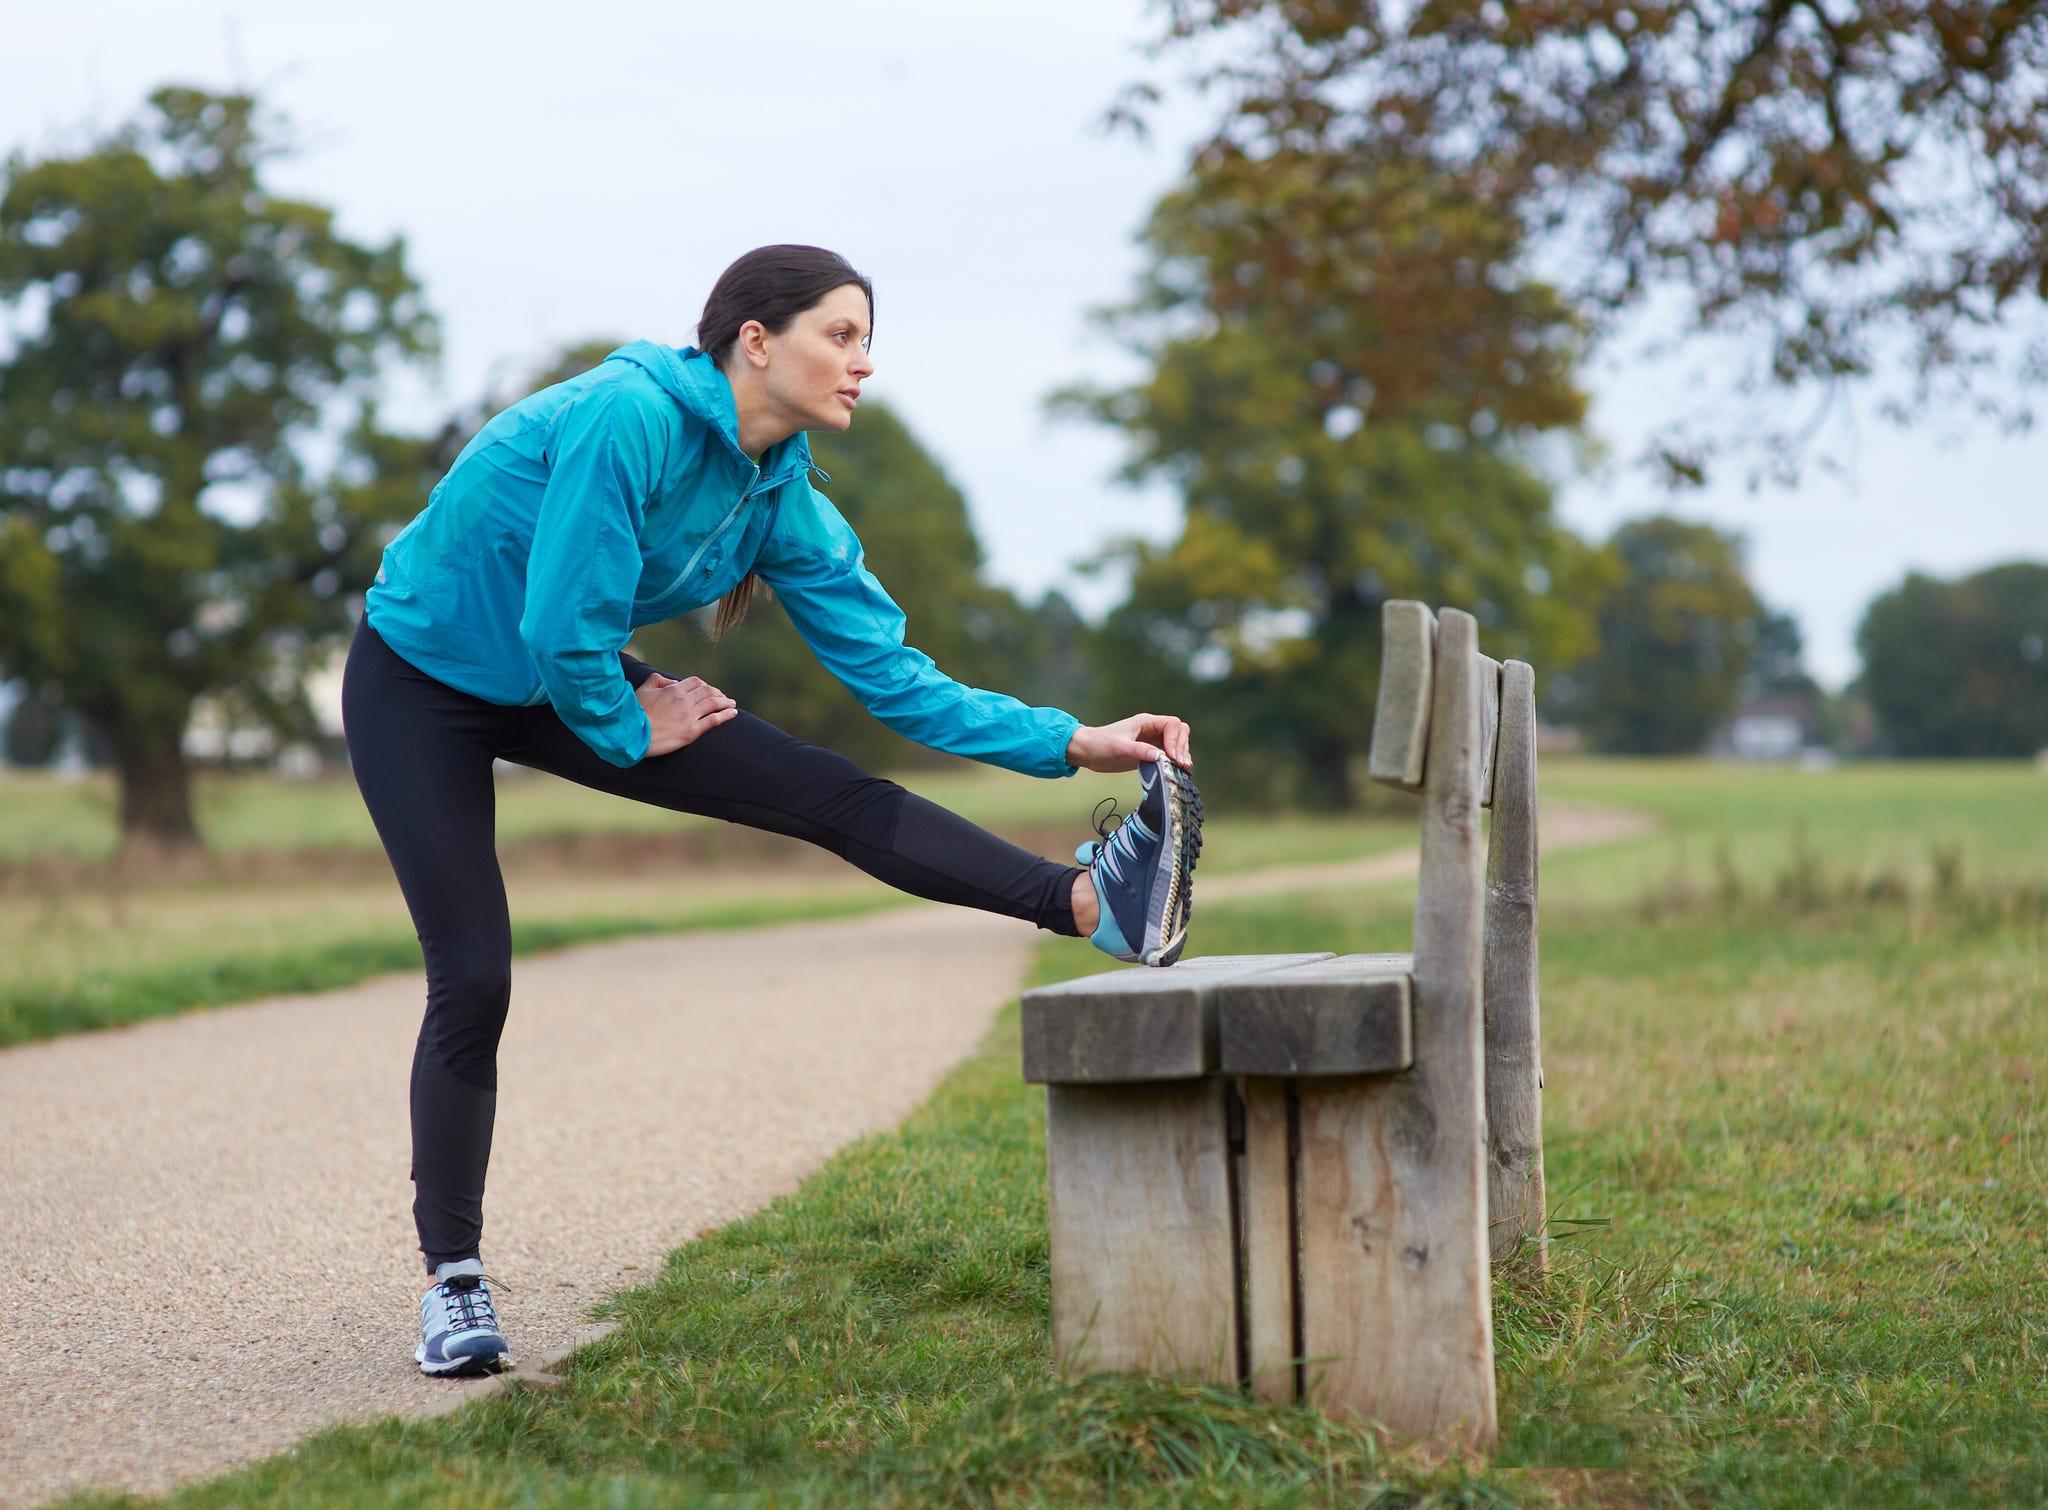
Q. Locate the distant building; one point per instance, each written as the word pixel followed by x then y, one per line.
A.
pixel 1777 728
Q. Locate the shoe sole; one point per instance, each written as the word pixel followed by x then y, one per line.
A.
pixel 1177 857
pixel 463 1367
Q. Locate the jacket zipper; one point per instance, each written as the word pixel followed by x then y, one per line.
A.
pixel 696 556
pixel 754 485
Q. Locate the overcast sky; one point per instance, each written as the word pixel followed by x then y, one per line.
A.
pixel 563 172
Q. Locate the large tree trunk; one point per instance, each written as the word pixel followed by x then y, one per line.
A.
pixel 156 791
pixel 1329 764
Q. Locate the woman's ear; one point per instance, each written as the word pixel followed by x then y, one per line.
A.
pixel 753 343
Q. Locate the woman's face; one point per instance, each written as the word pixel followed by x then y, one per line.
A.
pixel 815 366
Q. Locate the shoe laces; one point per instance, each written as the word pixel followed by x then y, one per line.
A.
pixel 1108 823
pixel 466 1302
pixel 1121 844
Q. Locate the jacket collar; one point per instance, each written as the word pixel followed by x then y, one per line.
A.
pixel 691 378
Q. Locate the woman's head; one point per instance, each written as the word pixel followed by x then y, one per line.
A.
pixel 789 328
pixel 773 285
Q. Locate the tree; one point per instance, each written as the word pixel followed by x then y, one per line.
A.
pixel 1678 634
pixel 1846 180
pixel 1332 452
pixel 191 469
pixel 913 524
pixel 1400 293
pixel 1777 666
pixel 1960 668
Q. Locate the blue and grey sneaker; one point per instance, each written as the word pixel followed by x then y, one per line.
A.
pixel 1143 868
pixel 458 1329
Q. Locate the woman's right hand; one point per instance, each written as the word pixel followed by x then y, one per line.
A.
pixel 679 711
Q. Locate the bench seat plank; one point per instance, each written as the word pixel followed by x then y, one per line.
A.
pixel 1136 1024
pixel 1349 1015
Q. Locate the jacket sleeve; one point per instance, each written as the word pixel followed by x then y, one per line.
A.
pixel 604 455
pixel 853 626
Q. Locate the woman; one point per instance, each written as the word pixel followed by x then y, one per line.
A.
pixel 659 482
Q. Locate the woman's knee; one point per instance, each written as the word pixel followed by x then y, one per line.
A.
pixel 466 1006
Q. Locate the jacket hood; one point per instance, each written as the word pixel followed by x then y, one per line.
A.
pixel 693 380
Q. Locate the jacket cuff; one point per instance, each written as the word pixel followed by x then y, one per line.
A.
pixel 1063 734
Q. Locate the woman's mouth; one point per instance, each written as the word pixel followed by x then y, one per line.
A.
pixel 849 396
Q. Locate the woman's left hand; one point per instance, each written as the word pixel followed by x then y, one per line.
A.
pixel 1128 743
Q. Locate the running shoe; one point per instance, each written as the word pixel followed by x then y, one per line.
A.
pixel 1143 868
pixel 458 1329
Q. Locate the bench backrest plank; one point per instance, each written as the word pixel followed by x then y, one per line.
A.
pixel 1400 715
pixel 1489 725
pixel 1514 1071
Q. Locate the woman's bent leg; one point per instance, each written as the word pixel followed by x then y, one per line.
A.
pixel 422 754
pixel 748 771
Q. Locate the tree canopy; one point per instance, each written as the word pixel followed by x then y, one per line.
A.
pixel 1679 632
pixel 1398 291
pixel 191 468
pixel 1345 426
pixel 1960 668
pixel 1862 186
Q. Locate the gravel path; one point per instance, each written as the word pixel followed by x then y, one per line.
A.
pixel 206 1250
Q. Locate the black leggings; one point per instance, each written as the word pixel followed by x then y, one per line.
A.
pixel 422 754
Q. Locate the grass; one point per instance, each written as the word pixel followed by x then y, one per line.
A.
pixel 1869 820
pixel 1798 1180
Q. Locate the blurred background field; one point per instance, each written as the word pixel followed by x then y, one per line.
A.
pixel 1879 825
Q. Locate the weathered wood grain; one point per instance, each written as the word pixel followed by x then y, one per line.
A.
pixel 1514 1072
pixel 1344 1016
pixel 1396 1297
pixel 1136 1024
pixel 1400 718
pixel 1271 1281
pixel 1489 725
pixel 1144 1260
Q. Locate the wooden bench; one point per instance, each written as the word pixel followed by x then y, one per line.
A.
pixel 1277 1170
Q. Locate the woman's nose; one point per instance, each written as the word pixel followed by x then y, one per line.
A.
pixel 863 365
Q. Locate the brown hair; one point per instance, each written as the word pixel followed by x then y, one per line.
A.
pixel 772 284
pixel 734 605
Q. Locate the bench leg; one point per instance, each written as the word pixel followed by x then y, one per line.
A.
pixel 1394 1292
pixel 1272 1277
pixel 1144 1253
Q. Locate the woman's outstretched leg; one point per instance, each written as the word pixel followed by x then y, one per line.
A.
pixel 748 771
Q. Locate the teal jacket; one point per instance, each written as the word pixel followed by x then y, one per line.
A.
pixel 620 498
